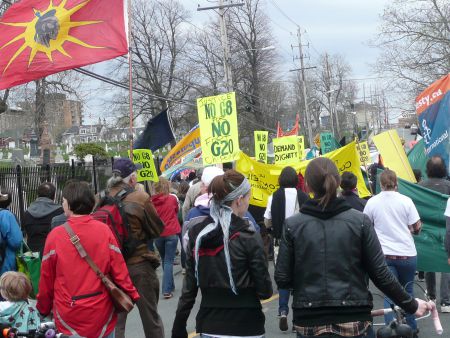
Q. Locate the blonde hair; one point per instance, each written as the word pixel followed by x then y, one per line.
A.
pixel 15 286
pixel 163 186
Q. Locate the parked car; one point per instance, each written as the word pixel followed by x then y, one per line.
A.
pixel 414 129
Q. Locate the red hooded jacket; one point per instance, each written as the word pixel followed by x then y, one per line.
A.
pixel 80 302
pixel 167 208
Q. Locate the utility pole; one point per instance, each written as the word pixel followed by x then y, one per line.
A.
pixel 303 83
pixel 327 65
pixel 222 8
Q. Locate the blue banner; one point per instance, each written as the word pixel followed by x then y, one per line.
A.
pixel 433 109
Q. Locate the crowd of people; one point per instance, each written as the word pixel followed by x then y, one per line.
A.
pixel 326 243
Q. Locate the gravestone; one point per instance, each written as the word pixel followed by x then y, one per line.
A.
pixel 17 156
pixel 59 158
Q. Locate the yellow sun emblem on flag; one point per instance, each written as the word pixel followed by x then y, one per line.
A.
pixel 48 32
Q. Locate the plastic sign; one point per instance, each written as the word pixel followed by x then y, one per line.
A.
pixel 148 171
pixel 327 142
pixel 219 136
pixel 261 139
pixel 364 153
pixel 286 150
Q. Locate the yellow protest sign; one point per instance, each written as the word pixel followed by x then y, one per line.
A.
pixel 217 117
pixel 394 157
pixel 261 139
pixel 264 177
pixel 317 140
pixel 148 171
pixel 301 147
pixel 364 152
pixel 286 150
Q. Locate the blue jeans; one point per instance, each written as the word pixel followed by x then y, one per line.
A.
pixel 167 247
pixel 283 301
pixel 404 270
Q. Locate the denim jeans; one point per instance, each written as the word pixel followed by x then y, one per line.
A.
pixel 283 301
pixel 430 279
pixel 404 270
pixel 167 247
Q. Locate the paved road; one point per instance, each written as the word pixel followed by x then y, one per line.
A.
pixel 270 307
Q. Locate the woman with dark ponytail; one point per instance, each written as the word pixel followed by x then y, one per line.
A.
pixel 226 260
pixel 327 251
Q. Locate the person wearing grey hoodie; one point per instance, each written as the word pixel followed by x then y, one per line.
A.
pixel 38 217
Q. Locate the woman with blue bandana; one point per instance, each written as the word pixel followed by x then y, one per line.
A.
pixel 226 260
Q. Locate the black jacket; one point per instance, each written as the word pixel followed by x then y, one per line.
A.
pixel 37 222
pixel 236 314
pixel 325 256
pixel 354 200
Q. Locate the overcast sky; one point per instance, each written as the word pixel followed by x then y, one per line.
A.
pixel 336 26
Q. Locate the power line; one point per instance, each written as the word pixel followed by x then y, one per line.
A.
pixel 283 13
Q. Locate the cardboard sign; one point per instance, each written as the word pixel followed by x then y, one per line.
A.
pixel 219 137
pixel 364 152
pixel 261 139
pixel 148 171
pixel 394 157
pixel 286 150
pixel 301 147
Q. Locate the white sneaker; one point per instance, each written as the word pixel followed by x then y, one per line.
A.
pixel 445 308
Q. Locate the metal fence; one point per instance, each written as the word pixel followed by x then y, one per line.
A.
pixel 22 182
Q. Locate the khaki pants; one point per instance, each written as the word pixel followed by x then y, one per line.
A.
pixel 146 281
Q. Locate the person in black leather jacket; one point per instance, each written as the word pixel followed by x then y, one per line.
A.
pixel 226 260
pixel 326 253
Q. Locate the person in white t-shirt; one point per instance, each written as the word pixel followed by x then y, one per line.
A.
pixel 284 203
pixel 396 219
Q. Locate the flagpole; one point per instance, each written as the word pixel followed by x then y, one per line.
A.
pixel 130 77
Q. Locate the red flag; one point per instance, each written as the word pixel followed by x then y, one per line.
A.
pixel 43 37
pixel 293 131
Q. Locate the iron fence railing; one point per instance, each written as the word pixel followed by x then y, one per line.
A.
pixel 22 181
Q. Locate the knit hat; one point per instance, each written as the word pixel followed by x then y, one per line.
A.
pixel 209 173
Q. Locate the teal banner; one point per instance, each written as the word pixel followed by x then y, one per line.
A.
pixel 431 253
pixel 417 158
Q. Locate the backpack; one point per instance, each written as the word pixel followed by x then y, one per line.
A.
pixel 111 211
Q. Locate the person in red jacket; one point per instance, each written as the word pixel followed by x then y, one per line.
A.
pixel 166 206
pixel 68 286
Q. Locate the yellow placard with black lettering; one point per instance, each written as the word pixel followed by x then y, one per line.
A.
pixel 364 152
pixel 261 139
pixel 301 147
pixel 219 137
pixel 148 171
pixel 264 177
pixel 286 150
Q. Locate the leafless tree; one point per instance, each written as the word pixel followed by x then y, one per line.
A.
pixel 330 91
pixel 414 39
pixel 160 45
